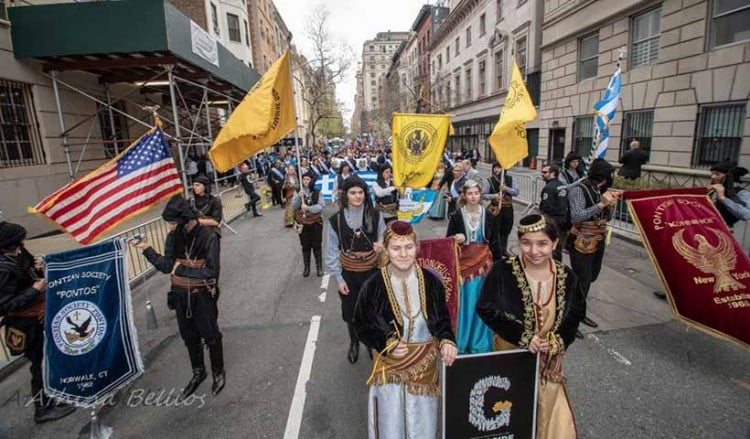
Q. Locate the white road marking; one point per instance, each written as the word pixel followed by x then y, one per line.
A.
pixel 616 355
pixel 294 421
pixel 322 296
pixel 324 281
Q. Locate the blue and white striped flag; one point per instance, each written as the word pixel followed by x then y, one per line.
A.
pixel 326 183
pixel 605 112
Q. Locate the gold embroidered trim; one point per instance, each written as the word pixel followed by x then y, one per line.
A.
pixel 527 299
pixel 386 273
pixel 562 277
pixel 446 341
pixel 424 369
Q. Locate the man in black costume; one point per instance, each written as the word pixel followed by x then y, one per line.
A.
pixel 191 257
pixel 246 179
pixel 499 191
pixel 22 288
pixel 554 204
pixel 208 206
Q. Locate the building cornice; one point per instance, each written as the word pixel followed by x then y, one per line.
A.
pixel 456 17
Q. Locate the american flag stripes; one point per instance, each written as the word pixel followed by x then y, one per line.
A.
pixel 142 175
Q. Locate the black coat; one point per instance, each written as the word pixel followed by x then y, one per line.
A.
pixel 632 162
pixel 456 226
pixel 375 321
pixel 554 203
pixel 201 243
pixel 16 280
pixel 506 303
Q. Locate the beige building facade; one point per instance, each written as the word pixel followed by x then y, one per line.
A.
pixel 685 78
pixel 269 34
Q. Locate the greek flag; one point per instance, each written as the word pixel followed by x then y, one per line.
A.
pixel 605 112
pixel 326 183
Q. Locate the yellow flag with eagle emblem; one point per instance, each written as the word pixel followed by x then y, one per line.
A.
pixel 418 143
pixel 265 116
pixel 508 139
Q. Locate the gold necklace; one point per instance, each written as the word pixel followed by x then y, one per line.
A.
pixel 407 312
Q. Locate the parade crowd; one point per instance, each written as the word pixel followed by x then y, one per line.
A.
pixel 391 305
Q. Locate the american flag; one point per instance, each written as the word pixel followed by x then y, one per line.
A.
pixel 140 176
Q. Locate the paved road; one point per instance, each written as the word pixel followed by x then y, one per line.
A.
pixel 641 375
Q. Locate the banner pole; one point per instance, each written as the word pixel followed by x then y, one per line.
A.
pixel 96 429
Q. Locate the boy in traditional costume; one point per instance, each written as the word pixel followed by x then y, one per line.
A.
pixel 308 205
pixel 401 316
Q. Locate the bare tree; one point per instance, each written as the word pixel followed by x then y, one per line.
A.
pixel 326 68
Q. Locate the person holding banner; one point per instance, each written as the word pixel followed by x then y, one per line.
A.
pixel 191 257
pixel 308 205
pixel 474 230
pixel 353 243
pixel 731 200
pixel 533 302
pixel 402 317
pixel 590 210
pixel 22 289
pixel 386 194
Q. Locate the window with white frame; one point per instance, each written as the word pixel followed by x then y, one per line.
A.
pixel 233 27
pixel 469 83
pixel 499 69
pixel 730 22
pixel 482 24
pixel 588 56
pixel 448 97
pixel 719 133
pixel 215 19
pixel 521 56
pixel 468 36
pixel 20 142
pixel 646 30
pixel 482 80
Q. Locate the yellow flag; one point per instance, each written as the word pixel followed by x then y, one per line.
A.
pixel 264 117
pixel 508 139
pixel 418 143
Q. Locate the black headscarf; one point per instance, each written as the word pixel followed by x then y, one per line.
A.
pixel 601 171
pixel 178 209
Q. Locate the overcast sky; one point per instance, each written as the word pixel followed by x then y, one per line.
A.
pixel 354 21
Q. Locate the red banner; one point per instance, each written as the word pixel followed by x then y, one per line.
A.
pixel 705 271
pixel 440 256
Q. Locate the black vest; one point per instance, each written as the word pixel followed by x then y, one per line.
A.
pixel 593 196
pixel 348 240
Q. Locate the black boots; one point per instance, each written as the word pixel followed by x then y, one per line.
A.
pixel 216 353
pixel 353 354
pixel 318 252
pixel 306 260
pixel 219 379
pixel 46 410
pixel 199 375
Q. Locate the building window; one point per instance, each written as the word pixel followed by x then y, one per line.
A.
pixel 499 9
pixel 120 122
pixel 637 125
pixel 372 48
pixel 521 56
pixel 482 77
pixel 20 143
pixel 448 54
pixel 646 32
pixel 373 83
pixel 448 99
pixel 588 56
pixel 482 25
pixel 457 49
pixel 215 19
pixel 3 12
pixel 499 68
pixel 583 134
pixel 719 134
pixel 233 26
pixel 458 88
pixel 469 91
pixel 372 75
pixel 247 33
pixel 730 22
pixel 440 61
pixel 468 36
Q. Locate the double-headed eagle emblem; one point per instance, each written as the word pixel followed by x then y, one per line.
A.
pixel 417 141
pixel 718 260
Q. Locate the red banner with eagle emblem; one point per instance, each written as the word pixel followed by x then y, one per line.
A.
pixel 704 269
pixel 440 256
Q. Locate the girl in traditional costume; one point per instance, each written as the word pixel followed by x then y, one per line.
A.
pixel 532 301
pixel 353 242
pixel 402 318
pixel 386 194
pixel 290 187
pixel 308 205
pixel 345 171
pixel 473 228
pixel 439 206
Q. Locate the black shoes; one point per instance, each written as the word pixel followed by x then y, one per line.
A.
pixel 588 322
pixel 318 261
pixel 661 295
pixel 579 334
pixel 52 412
pixel 306 260
pixel 219 381
pixel 353 354
pixel 199 375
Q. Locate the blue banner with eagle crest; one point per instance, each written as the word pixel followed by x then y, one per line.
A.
pixel 91 345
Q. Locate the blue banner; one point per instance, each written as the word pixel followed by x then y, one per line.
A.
pixel 415 204
pixel 91 345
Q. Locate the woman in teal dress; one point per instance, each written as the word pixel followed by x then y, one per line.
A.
pixel 472 227
pixel 439 206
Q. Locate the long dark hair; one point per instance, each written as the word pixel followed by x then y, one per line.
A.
pixel 370 215
pixel 381 180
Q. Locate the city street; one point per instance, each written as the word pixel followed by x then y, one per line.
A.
pixel 640 375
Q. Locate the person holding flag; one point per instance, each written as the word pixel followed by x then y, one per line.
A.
pixel 191 258
pixel 308 205
pixel 500 194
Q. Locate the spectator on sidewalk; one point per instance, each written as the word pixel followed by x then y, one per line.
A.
pixel 632 161
pixel 554 204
